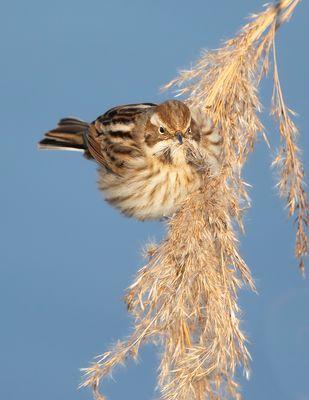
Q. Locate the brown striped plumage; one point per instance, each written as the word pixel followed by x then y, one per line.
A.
pixel 150 156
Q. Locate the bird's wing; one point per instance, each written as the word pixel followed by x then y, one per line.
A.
pixel 125 113
pixel 112 138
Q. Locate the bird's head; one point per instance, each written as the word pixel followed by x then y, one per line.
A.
pixel 168 127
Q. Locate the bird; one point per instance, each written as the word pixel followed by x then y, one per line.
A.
pixel 150 157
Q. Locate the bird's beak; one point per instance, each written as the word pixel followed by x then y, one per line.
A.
pixel 179 137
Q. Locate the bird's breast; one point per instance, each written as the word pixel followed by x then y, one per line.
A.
pixel 149 191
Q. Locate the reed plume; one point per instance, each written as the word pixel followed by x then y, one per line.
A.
pixel 185 298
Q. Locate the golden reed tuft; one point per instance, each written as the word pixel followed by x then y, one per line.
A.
pixel 185 298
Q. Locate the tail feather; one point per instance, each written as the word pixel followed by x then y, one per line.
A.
pixel 70 134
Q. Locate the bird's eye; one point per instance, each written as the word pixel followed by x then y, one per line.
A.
pixel 161 130
pixel 189 130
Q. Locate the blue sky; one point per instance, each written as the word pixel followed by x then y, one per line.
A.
pixel 66 257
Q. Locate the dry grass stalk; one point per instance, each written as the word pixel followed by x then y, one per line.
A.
pixel 291 182
pixel 225 83
pixel 185 298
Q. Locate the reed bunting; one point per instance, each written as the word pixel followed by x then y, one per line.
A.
pixel 150 156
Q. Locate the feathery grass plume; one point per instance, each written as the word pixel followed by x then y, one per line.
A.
pixel 224 82
pixel 185 298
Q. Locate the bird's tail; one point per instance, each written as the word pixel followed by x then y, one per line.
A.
pixel 70 134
